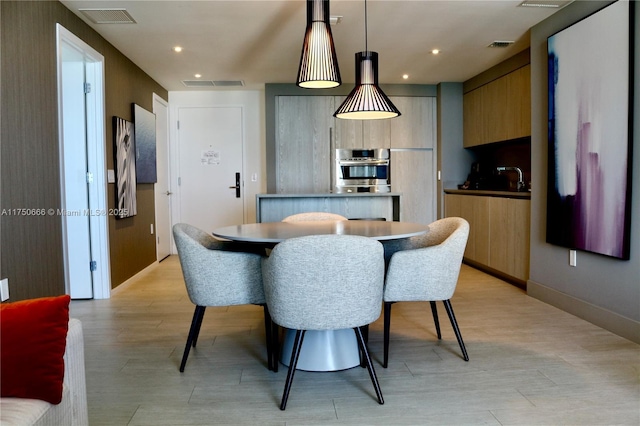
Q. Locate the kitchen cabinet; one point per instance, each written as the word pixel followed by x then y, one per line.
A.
pixel 412 175
pixel 416 127
pixel 307 133
pixel 509 236
pixel 499 232
pixel 499 110
pixel 303 157
pixel 413 161
pixel 355 134
pixel 472 118
pixel 476 211
pixel 519 111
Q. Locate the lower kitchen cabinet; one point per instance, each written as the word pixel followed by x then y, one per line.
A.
pixel 476 211
pixel 499 232
pixel 509 236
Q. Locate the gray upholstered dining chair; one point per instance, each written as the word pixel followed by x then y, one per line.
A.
pixel 309 286
pixel 427 269
pixel 219 273
pixel 312 216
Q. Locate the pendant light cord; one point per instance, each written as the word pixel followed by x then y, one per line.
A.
pixel 366 44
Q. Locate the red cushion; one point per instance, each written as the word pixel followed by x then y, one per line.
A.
pixel 33 338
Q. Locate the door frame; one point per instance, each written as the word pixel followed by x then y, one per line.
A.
pixel 96 162
pixel 158 203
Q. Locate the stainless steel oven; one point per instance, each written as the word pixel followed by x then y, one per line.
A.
pixel 362 170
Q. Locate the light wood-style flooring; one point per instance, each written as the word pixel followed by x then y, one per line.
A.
pixel 530 364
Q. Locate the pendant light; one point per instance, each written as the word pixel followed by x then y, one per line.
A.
pixel 318 61
pixel 366 101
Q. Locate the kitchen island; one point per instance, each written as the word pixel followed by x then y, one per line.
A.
pixel 363 205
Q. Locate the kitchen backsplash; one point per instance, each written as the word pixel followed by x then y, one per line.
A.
pixel 516 153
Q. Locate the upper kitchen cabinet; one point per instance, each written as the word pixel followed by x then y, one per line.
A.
pixel 499 110
pixel 356 134
pixel 416 126
pixel 303 133
pixel 519 101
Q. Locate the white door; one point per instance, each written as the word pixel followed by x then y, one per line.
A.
pixel 210 141
pixel 83 168
pixel 161 187
pixel 76 199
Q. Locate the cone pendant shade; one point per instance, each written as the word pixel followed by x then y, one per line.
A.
pixel 366 101
pixel 318 61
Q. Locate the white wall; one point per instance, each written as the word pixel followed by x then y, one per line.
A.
pixel 252 102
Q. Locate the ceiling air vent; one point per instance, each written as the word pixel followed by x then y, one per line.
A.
pixel 211 83
pixel 501 43
pixel 198 83
pixel 108 16
pixel 229 83
pixel 552 4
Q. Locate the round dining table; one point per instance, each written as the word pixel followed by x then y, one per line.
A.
pixel 323 350
pixel 276 232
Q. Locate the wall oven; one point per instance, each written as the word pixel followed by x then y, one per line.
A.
pixel 362 170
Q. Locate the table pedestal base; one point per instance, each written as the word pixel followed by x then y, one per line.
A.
pixel 323 350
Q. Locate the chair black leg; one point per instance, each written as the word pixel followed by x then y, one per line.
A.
pixel 372 371
pixel 267 330
pixel 295 354
pixel 434 311
pixel 194 330
pixel 365 335
pixel 456 330
pixel 198 325
pixel 275 346
pixel 387 326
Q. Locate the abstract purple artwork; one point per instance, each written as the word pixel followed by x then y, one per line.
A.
pixel 589 185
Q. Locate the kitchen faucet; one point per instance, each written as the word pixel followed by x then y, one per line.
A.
pixel 521 186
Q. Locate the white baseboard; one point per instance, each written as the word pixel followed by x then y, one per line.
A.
pixel 616 323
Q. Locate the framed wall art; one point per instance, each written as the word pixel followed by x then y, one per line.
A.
pixel 144 123
pixel 589 123
pixel 125 167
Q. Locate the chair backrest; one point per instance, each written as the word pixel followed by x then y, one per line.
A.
pixel 312 216
pixel 324 282
pixel 429 270
pixel 217 273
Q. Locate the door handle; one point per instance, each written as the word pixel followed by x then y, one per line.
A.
pixel 169 193
pixel 237 185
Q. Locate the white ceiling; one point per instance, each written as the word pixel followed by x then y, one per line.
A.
pixel 259 41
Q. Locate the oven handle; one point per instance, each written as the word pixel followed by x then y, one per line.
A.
pixel 367 162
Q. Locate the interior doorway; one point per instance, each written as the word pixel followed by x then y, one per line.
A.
pixel 83 180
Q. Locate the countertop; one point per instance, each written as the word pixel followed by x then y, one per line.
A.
pixel 331 195
pixel 486 193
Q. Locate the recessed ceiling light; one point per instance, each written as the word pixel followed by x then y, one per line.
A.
pixel 197 75
pixel 435 51
pixel 405 76
pixel 177 49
